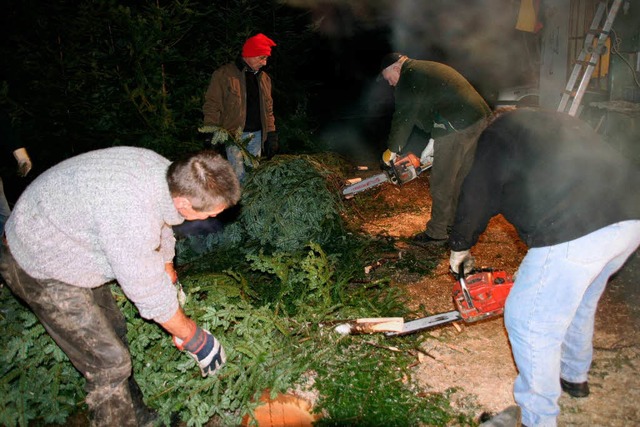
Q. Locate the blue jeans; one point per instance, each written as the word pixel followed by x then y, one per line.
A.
pixel 5 210
pixel 235 156
pixel 550 314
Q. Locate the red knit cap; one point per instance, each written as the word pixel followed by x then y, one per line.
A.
pixel 257 45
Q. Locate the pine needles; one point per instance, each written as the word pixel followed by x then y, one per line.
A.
pixel 267 287
pixel 287 203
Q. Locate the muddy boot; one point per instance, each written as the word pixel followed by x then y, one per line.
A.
pixel 424 240
pixel 510 417
pixel 111 406
pixel 144 416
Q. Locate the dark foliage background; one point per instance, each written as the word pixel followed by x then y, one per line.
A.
pixel 82 75
pixel 78 75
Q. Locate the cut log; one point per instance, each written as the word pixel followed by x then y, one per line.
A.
pixel 370 325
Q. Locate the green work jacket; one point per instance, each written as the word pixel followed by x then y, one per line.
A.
pixel 435 98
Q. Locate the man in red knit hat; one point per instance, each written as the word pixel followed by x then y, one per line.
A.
pixel 239 101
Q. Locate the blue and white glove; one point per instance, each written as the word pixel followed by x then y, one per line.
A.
pixel 205 349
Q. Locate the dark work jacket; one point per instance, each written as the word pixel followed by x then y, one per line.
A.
pixel 435 98
pixel 225 99
pixel 550 175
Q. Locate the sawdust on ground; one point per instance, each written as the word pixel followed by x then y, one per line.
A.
pixel 473 362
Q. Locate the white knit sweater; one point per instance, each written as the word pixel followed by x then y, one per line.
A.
pixel 100 216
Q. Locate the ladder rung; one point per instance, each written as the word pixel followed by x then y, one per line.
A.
pixel 598 31
pixel 587 63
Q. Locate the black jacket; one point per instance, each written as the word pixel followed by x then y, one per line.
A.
pixel 550 175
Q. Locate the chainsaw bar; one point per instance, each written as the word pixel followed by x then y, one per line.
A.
pixel 402 170
pixel 479 296
pixel 365 184
pixel 426 323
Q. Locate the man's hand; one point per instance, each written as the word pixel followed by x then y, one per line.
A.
pixel 24 162
pixel 271 145
pixel 426 157
pixel 173 274
pixel 205 349
pixel 463 258
pixel 171 271
pixel 388 157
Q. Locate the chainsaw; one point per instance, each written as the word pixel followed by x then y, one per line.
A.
pixel 479 296
pixel 404 169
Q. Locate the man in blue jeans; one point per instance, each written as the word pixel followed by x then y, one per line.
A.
pixel 575 202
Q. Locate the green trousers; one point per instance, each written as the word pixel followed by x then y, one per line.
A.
pixel 452 159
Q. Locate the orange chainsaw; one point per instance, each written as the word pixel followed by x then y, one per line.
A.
pixel 404 169
pixel 479 296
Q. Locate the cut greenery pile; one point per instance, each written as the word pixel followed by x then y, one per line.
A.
pixel 265 287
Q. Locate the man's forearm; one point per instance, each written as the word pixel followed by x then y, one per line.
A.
pixel 180 325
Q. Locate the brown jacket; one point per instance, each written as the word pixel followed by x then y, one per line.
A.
pixel 226 96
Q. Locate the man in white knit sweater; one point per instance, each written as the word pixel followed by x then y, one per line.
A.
pixel 107 215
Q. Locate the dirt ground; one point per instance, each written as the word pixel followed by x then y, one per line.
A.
pixel 473 361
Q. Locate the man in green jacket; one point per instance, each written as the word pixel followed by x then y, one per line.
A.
pixel 239 100
pixel 440 101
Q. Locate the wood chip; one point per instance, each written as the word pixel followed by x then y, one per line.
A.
pixel 455 325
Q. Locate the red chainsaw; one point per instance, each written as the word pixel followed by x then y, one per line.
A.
pixel 479 296
pixel 404 169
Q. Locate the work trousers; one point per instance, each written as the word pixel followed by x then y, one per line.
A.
pixel 550 314
pixel 90 328
pixel 452 159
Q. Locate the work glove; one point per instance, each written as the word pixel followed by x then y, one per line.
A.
pixel 271 146
pixel 205 349
pixel 426 157
pixel 463 258
pixel 388 157
pixel 24 162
